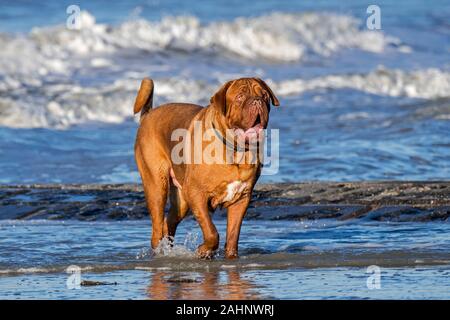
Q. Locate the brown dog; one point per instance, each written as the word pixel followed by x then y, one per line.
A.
pixel 241 106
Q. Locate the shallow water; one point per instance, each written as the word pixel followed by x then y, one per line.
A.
pixel 292 260
pixel 329 283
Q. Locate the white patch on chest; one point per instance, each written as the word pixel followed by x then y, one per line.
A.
pixel 234 188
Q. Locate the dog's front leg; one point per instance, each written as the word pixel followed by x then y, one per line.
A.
pixel 210 234
pixel 236 213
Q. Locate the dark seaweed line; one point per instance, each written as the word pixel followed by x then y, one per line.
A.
pixel 381 201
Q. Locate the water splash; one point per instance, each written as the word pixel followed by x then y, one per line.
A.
pixel 169 248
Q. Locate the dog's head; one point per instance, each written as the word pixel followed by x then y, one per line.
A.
pixel 245 103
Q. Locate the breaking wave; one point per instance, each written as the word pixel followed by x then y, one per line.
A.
pixel 426 84
pixel 278 36
pixel 61 105
pixel 43 73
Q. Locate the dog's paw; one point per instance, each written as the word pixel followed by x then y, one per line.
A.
pixel 232 254
pixel 204 252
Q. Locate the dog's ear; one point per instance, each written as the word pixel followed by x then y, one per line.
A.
pixel 273 98
pixel 219 100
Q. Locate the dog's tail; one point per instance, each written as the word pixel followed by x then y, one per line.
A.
pixel 144 98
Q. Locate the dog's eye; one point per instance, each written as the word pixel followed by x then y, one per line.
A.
pixel 240 98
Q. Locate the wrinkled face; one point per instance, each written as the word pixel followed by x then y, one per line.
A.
pixel 247 108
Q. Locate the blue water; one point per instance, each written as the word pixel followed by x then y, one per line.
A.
pixel 322 259
pixel 23 15
pixel 356 104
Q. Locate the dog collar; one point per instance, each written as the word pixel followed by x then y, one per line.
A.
pixel 231 145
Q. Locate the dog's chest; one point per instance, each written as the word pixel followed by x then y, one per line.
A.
pixel 230 192
pixel 234 189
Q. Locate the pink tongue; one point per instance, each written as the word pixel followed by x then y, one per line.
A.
pixel 250 133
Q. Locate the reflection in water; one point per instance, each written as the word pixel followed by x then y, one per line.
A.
pixel 166 285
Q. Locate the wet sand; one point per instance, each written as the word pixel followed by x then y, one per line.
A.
pixel 393 201
pixel 329 283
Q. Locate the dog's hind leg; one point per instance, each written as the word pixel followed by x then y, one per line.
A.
pixel 156 185
pixel 177 211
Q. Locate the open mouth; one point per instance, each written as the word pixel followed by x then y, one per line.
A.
pixel 254 132
pixel 257 121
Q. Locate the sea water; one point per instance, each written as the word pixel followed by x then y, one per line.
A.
pixel 282 259
pixel 356 104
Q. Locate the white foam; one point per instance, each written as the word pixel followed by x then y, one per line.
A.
pixel 253 265
pixel 26 270
pixel 63 105
pixel 427 83
pixel 51 52
pixel 37 86
pixel 278 36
